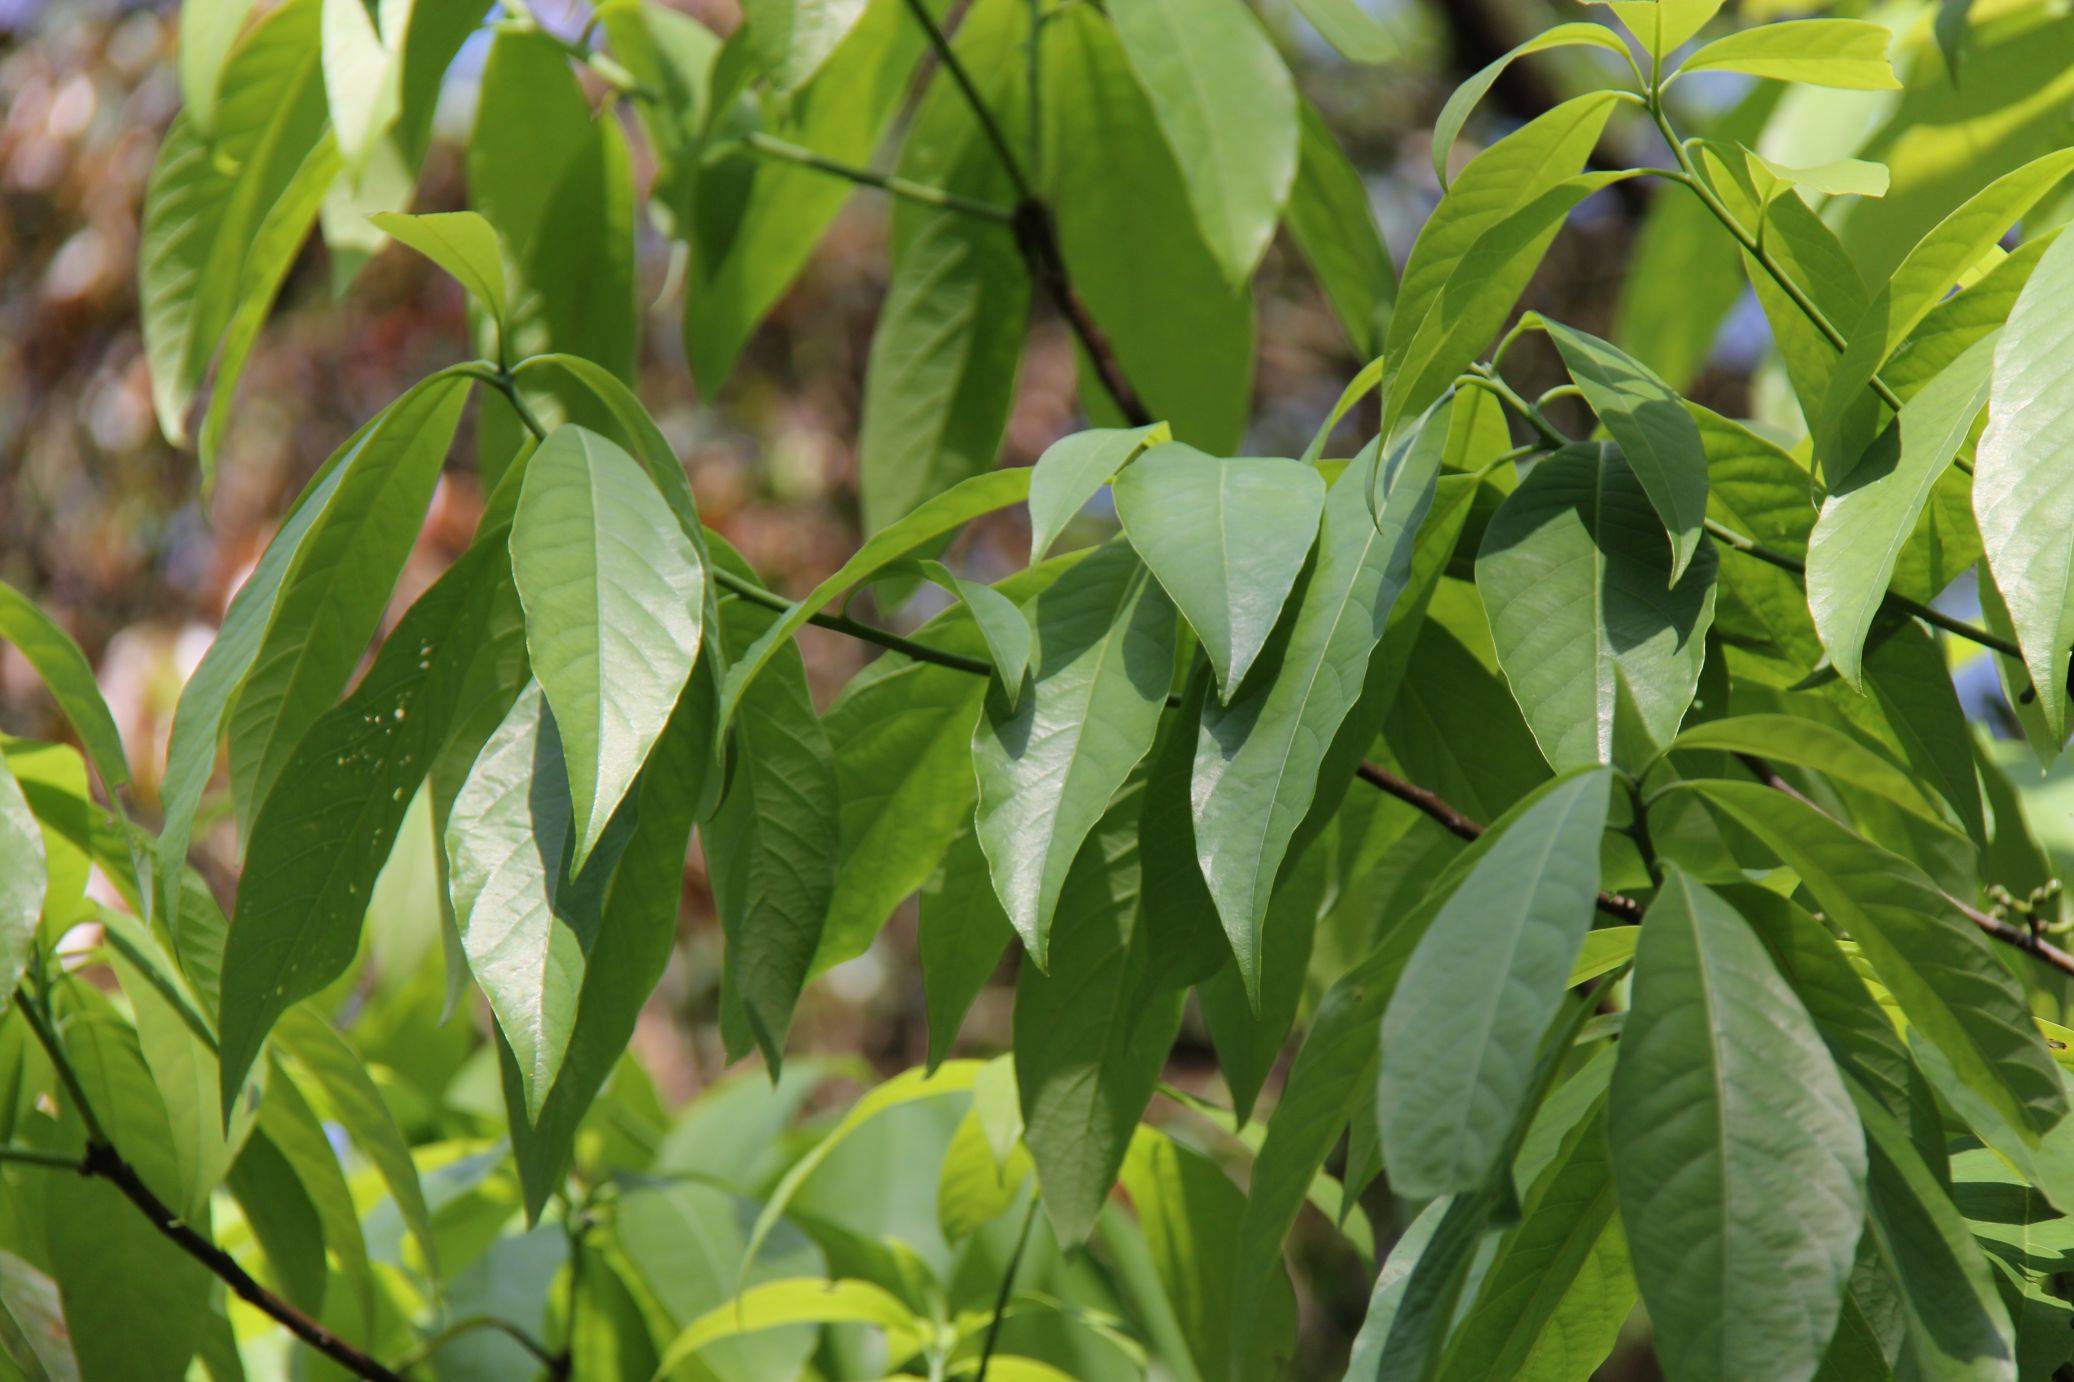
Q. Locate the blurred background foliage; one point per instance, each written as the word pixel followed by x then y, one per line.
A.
pixel 105 524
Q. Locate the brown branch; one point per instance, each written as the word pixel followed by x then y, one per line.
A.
pixel 1036 237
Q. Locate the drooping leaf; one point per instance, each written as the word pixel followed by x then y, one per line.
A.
pixel 962 937
pixel 462 243
pixel 2021 507
pixel 613 593
pixel 1462 101
pixel 1846 53
pixel 1873 508
pixel 1656 436
pixel 1573 572
pixel 1459 1039
pixel 1258 757
pixel 1237 159
pixel 1227 540
pixel 1332 223
pixel 1073 469
pixel 1001 624
pixel 1103 658
pixel 208 31
pixel 69 678
pixel 1739 1159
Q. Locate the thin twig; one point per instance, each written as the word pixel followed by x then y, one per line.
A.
pixel 1015 1260
pixel 988 125
pixel 771 146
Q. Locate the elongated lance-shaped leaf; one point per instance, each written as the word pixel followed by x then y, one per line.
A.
pixel 1873 508
pixel 1850 54
pixel 1739 1159
pixel 1237 158
pixel 462 243
pixel 1333 225
pixel 1227 539
pixel 23 878
pixel 2021 497
pixel 69 678
pixel 1073 469
pixel 1950 986
pixel 320 842
pixel 1460 1037
pixel 526 914
pixel 1047 769
pixel 614 595
pixel 1003 628
pixel 1602 660
pixel 1656 435
pixel 1257 758
pixel 1447 126
pixel 956 506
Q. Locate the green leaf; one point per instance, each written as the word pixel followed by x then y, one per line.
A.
pixel 613 592
pixel 962 936
pixel 23 880
pixel 1332 223
pixel 1950 984
pixel 362 76
pixel 1047 769
pixel 1740 1162
pixel 1189 1211
pixel 1873 508
pixel 1828 748
pixel 1850 54
pixel 526 913
pixel 1913 685
pixel 1573 572
pixel 1460 1038
pixel 771 847
pixel 794 38
pixel 320 842
pixel 1001 624
pixel 1181 328
pixel 211 188
pixel 1073 469
pixel 1663 25
pixel 1462 102
pixel 800 1300
pixel 1957 1326
pixel 1237 158
pixel 69 678
pixel 1843 177
pixel 208 31
pixel 462 243
pixel 283 1220
pixel 1249 1037
pixel 1092 1033
pixel 1226 538
pixel 1350 28
pixel 1258 758
pixel 2022 510
pixel 956 506
pixel 338 585
pixel 1649 424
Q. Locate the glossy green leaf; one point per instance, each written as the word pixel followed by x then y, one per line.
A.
pixel 23 879
pixel 1873 508
pixel 2017 497
pixel 1227 540
pixel 613 592
pixel 1950 985
pixel 1843 177
pixel 1073 469
pixel 1092 1033
pixel 1573 571
pixel 1739 1159
pixel 1237 158
pixel 1847 53
pixel 946 512
pixel 462 243
pixel 962 936
pixel 1181 328
pixel 771 847
pixel 1002 626
pixel 1258 757
pixel 942 372
pixel 210 190
pixel 1332 223
pixel 1460 1037
pixel 1462 102
pixel 1649 424
pixel 1816 744
pixel 337 585
pixel 1104 656
pixel 320 842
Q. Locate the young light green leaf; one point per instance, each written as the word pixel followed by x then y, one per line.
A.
pixel 23 879
pixel 1950 986
pixel 1447 126
pixel 1257 758
pixel 1648 422
pixel 1850 54
pixel 1350 28
pixel 794 38
pixel 1071 471
pixel 208 32
pixel 1739 1159
pixel 1572 572
pixel 1103 659
pixel 2026 514
pixel 462 243
pixel 1663 26
pixel 1843 177
pixel 963 502
pixel 362 76
pixel 1330 219
pixel 1873 508
pixel 799 1300
pixel 1237 158
pixel 1226 538
pixel 614 593
pixel 1461 1035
